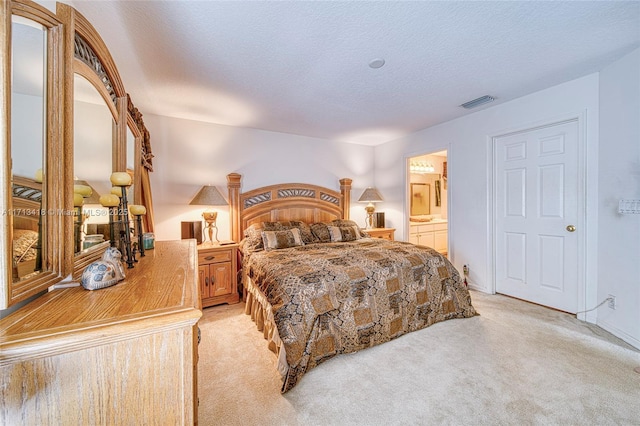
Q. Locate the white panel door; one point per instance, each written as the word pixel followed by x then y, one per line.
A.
pixel 536 214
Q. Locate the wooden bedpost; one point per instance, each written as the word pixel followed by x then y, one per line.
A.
pixel 233 184
pixel 345 189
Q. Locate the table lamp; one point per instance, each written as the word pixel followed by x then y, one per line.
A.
pixel 209 196
pixel 370 195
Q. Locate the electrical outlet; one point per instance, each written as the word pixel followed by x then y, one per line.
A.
pixel 612 301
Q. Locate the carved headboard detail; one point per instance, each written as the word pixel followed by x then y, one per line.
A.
pixel 27 202
pixel 288 201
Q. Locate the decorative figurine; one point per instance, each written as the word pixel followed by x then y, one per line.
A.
pixel 104 273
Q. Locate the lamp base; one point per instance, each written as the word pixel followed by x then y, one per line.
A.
pixel 213 239
pixel 369 209
pixel 210 218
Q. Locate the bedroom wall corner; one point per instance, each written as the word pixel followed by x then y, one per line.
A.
pixel 619 171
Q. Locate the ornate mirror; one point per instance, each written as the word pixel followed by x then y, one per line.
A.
pixel 32 147
pixel 28 144
pixel 94 134
pixel 93 124
pixel 105 136
pixel 65 122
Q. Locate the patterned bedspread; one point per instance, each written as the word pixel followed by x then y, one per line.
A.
pixel 334 298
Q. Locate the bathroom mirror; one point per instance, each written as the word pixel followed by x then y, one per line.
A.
pixel 420 199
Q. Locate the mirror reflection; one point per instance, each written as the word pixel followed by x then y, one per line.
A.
pixel 420 199
pixel 28 130
pixel 92 164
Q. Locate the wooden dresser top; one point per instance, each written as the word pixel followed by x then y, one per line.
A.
pixel 161 291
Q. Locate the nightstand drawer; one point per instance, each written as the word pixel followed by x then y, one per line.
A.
pixel 384 233
pixel 214 256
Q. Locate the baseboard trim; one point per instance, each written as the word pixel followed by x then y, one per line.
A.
pixel 619 333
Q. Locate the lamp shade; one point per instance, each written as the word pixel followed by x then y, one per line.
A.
pixel 370 195
pixel 208 196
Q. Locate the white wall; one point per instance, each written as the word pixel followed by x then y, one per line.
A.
pixel 189 154
pixel 619 171
pixel 609 107
pixel 467 141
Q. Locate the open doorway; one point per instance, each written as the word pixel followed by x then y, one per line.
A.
pixel 427 201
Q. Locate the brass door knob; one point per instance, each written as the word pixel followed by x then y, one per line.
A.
pixel 571 228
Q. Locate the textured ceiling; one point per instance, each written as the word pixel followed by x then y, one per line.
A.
pixel 302 67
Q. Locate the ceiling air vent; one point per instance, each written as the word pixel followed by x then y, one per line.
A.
pixel 477 102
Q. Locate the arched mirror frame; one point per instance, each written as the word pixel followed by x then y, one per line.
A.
pixel 143 163
pixel 53 186
pixel 86 54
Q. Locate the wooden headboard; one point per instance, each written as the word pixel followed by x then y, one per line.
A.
pixel 27 202
pixel 26 210
pixel 287 201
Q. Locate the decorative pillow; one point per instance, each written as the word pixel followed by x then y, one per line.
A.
pixel 328 232
pixel 305 231
pixel 281 239
pixel 343 233
pixel 252 239
pixel 275 226
pixel 321 232
pixel 348 222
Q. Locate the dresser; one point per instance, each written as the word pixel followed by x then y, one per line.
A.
pixel 125 354
pixel 217 270
pixel 432 235
pixel 385 233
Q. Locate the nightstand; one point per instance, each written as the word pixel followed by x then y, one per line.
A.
pixel 217 270
pixel 385 233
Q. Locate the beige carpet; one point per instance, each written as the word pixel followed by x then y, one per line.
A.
pixel 515 364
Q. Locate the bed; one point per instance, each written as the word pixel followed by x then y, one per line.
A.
pixel 27 197
pixel 317 286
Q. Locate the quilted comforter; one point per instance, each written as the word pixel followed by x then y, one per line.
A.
pixel 334 298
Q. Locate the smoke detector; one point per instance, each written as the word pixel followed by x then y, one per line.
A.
pixel 376 63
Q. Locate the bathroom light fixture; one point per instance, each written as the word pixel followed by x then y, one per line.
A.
pixel 477 102
pixel 421 167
